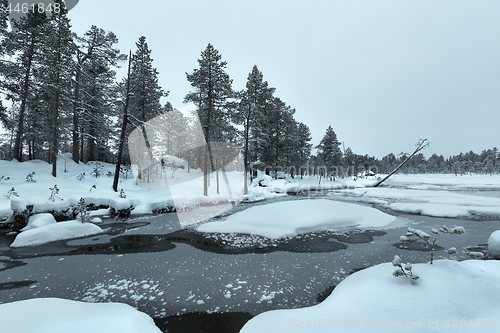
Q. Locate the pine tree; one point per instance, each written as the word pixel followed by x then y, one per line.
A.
pixel 329 150
pixel 25 45
pixel 213 95
pixel 57 69
pixel 4 18
pixel 96 57
pixel 253 102
pixel 146 91
pixel 303 145
pixel 121 143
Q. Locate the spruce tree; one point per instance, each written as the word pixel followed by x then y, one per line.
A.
pixel 213 96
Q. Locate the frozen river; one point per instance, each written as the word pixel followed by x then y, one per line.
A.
pixel 163 274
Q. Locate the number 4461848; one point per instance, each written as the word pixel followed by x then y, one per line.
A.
pixel 33 8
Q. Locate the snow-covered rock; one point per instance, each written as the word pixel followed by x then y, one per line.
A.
pixel 55 315
pixel 55 232
pixel 494 245
pixel 39 220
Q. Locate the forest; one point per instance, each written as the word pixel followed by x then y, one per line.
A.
pixel 59 93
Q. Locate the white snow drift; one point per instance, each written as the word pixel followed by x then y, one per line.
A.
pixel 289 218
pixel 494 245
pixel 450 296
pixel 42 228
pixel 55 315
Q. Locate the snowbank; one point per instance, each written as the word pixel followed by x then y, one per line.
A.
pixel 55 315
pixel 39 220
pixel 289 218
pixel 436 203
pixel 450 296
pixel 55 232
pixel 494 245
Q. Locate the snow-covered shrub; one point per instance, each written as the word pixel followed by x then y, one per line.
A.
pixel 11 192
pixel 418 236
pixel 29 177
pixel 54 191
pixel 81 176
pixel 109 174
pixel 494 245
pixel 93 187
pixel 475 255
pixel 122 194
pixel 4 178
pixel 83 213
pixel 97 169
pixel 404 270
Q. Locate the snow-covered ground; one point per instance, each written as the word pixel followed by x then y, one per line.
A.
pixel 30 183
pixel 369 297
pixel 54 315
pixel 434 195
pixel 449 296
pixel 289 218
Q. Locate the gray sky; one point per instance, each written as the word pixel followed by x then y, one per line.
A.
pixel 382 73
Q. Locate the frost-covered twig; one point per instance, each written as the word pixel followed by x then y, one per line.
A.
pixel 416 236
pixel 404 270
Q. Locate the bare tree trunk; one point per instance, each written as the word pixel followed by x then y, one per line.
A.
pixel 422 144
pixel 76 125
pixel 123 130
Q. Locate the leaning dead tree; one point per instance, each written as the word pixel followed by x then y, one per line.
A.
pixel 422 144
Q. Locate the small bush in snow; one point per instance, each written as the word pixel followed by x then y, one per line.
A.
pixel 418 236
pixel 404 270
pixel 29 177
pixel 97 170
pixel 122 194
pixel 83 213
pixel 66 167
pixel 11 192
pixel 54 191
pixel 109 174
pixel 4 178
pixel 475 255
pixel 93 187
pixel 81 176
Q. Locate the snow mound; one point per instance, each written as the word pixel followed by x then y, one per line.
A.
pixel 494 245
pixel 372 300
pixel 55 232
pixel 289 218
pixel 39 220
pixel 55 315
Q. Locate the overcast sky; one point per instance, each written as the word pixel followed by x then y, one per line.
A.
pixel 383 74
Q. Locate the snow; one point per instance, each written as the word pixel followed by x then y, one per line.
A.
pixel 289 218
pixel 449 296
pixel 54 232
pixel 494 245
pixel 39 220
pixel 55 315
pixel 437 203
